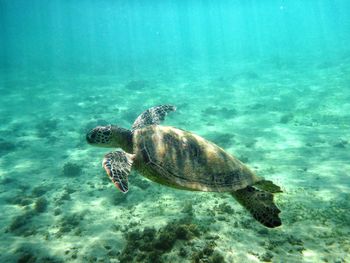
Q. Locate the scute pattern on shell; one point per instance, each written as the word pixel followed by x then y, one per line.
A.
pixel 185 160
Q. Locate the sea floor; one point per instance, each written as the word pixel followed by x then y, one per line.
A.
pixel 289 122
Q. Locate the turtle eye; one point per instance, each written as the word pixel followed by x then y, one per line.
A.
pixel 90 137
pixel 93 135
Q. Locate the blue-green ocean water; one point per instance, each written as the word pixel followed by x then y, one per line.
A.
pixel 268 81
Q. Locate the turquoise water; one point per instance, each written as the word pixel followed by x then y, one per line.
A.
pixel 268 81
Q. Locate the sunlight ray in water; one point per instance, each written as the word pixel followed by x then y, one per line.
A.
pixel 263 82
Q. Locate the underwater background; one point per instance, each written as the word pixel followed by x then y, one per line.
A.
pixel 269 81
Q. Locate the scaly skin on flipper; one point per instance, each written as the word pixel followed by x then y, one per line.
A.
pixel 154 115
pixel 269 186
pixel 260 204
pixel 118 166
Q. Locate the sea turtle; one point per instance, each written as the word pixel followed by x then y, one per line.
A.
pixel 183 160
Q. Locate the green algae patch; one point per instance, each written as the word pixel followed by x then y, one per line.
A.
pixel 40 205
pixel 6 147
pixel 71 169
pixel 21 225
pixel 70 224
pixel 208 254
pixel 149 245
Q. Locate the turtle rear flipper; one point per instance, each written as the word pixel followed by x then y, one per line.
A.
pixel 152 116
pixel 260 204
pixel 269 186
pixel 118 166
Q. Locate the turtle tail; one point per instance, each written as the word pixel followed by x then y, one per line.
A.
pixel 260 204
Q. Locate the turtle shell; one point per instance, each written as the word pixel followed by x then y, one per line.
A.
pixel 181 159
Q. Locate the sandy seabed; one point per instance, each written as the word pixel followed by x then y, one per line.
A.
pixel 289 122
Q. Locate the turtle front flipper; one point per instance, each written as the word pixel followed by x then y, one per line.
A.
pixel 152 116
pixel 260 204
pixel 118 166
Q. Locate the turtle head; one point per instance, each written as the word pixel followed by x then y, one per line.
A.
pixel 100 136
pixel 110 136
